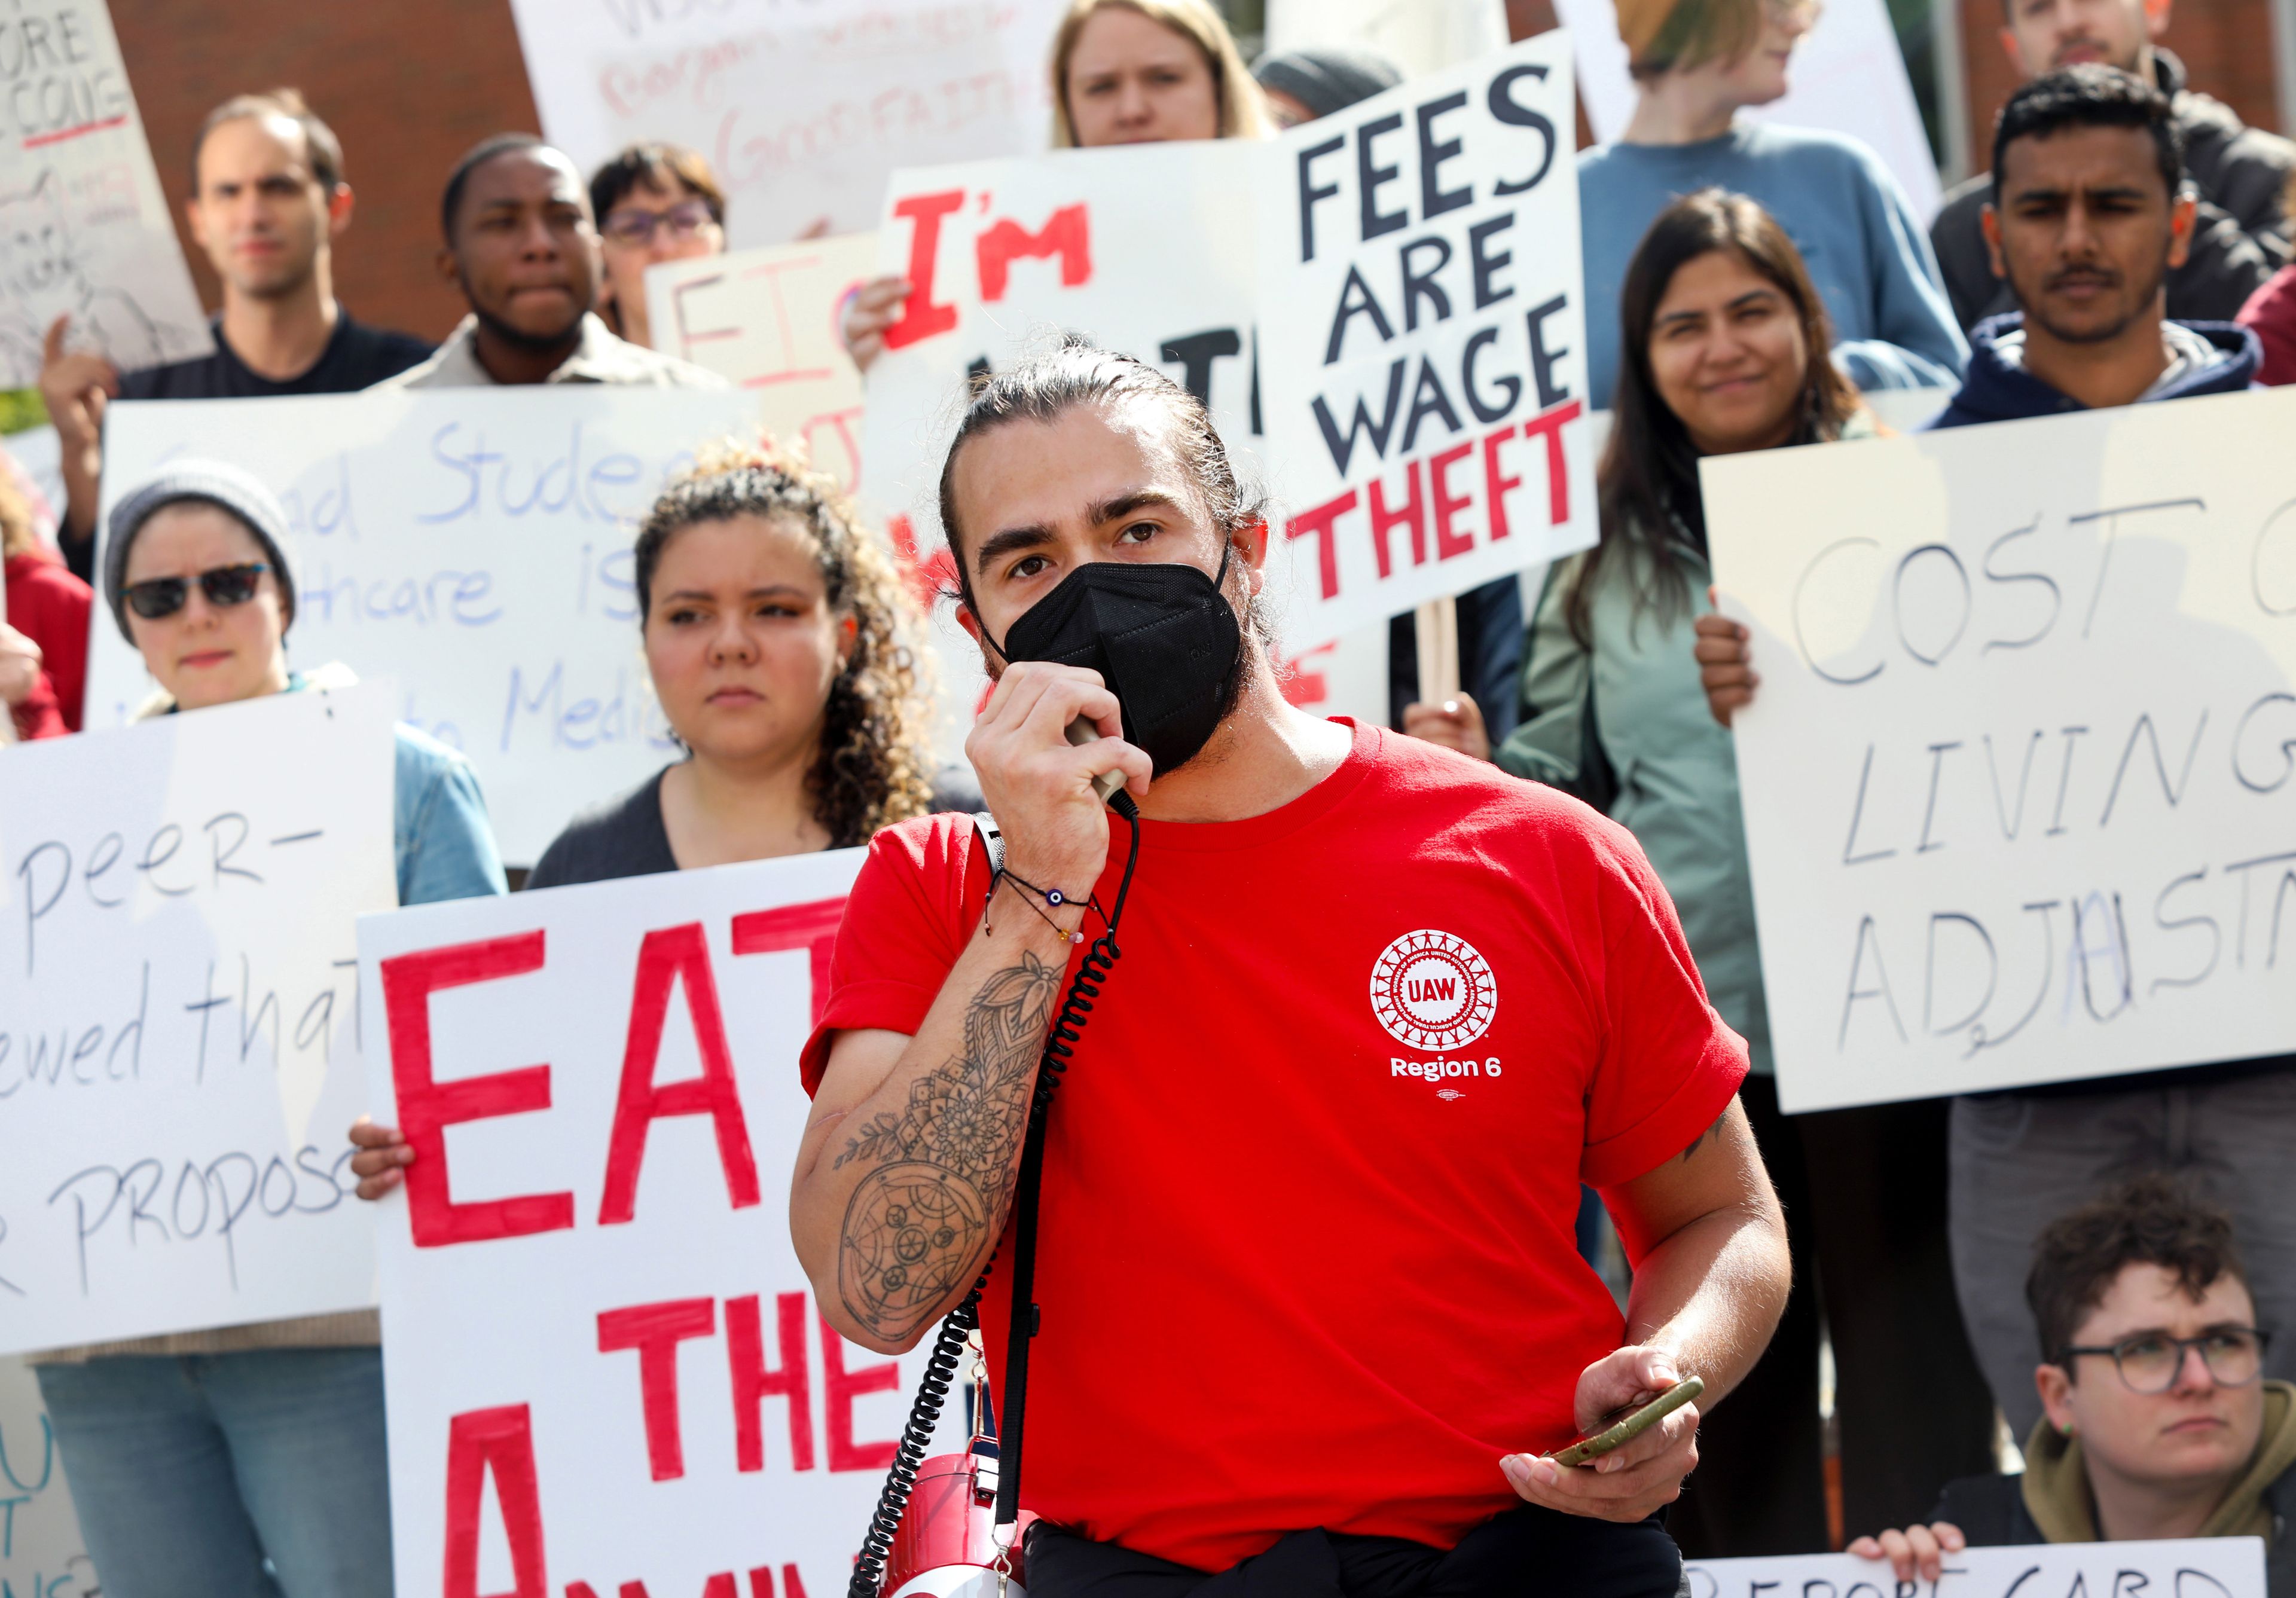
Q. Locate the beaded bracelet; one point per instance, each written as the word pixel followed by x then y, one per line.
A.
pixel 1052 896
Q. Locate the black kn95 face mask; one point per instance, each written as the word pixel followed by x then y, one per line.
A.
pixel 1162 636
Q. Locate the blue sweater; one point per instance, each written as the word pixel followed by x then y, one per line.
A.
pixel 1893 327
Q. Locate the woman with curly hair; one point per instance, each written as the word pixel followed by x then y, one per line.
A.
pixel 785 654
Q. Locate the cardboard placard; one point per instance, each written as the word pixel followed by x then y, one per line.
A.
pixel 2016 775
pixel 767 320
pixel 42 1554
pixel 2173 1568
pixel 603 1363
pixel 1145 250
pixel 84 230
pixel 801 111
pixel 472 544
pixel 179 1043
pixel 1421 379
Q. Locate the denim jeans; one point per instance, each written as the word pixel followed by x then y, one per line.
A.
pixel 249 1475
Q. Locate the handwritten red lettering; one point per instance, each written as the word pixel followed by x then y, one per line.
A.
pixel 427 1107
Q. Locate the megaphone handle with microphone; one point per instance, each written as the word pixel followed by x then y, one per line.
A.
pixel 1082 731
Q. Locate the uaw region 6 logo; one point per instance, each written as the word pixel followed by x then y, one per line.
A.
pixel 1433 990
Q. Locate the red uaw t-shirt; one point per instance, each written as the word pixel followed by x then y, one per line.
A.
pixel 1306 1254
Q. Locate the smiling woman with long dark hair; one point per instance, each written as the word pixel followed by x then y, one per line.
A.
pixel 1724 344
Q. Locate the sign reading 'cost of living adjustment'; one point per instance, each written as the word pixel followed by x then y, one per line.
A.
pixel 2018 774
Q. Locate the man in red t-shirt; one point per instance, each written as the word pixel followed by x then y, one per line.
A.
pixel 1309 1299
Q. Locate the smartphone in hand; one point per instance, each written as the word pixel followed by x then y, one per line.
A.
pixel 1623 1425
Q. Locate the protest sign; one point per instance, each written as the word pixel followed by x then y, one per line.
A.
pixel 603 1363
pixel 767 320
pixel 1848 76
pixel 41 1553
pixel 2173 1568
pixel 2016 774
pixel 1146 249
pixel 801 109
pixel 179 1037
pixel 84 225
pixel 472 543
pixel 1426 422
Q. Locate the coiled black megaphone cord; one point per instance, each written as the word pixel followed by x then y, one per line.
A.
pixel 948 1345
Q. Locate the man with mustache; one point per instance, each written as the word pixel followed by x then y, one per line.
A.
pixel 522 246
pixel 2240 235
pixel 2089 219
pixel 1380 1009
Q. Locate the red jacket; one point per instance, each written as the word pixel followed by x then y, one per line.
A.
pixel 50 606
pixel 2270 314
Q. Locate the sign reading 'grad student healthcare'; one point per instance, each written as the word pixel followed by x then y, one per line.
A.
pixel 472 543
pixel 605 1364
pixel 179 1041
pixel 2018 777
pixel 1420 340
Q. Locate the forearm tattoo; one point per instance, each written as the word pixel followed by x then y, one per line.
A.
pixel 917 1224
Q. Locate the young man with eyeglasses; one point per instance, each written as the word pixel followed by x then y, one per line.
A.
pixel 2158 1421
pixel 522 245
pixel 268 202
pixel 654 202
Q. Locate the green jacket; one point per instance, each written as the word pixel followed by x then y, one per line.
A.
pixel 1677 769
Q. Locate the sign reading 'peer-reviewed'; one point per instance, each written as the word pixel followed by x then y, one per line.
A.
pixel 179 1039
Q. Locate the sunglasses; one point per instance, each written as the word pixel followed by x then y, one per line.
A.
pixel 160 597
pixel 683 220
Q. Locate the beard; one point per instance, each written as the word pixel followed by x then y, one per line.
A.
pixel 2138 305
pixel 518 337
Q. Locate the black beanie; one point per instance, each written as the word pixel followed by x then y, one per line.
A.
pixel 1326 80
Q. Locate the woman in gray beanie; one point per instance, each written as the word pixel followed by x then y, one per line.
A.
pixel 249 1458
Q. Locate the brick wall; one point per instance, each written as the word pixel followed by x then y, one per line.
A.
pixel 406 85
pixel 2226 45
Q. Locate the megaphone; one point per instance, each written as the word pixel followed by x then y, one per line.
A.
pixel 947 1546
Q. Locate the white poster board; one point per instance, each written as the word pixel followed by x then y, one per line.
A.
pixel 2017 774
pixel 1146 249
pixel 179 1050
pixel 801 109
pixel 1423 375
pixel 766 319
pixel 1848 76
pixel 2173 1568
pixel 602 1360
pixel 41 1553
pixel 474 544
pixel 84 224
